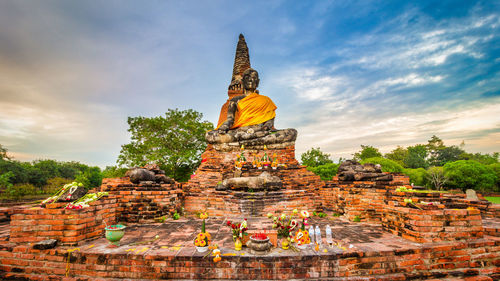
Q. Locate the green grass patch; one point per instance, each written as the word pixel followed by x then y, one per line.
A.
pixel 495 200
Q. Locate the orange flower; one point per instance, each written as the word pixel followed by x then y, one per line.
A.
pixel 203 216
pixel 217 258
pixel 202 243
pixel 209 237
pixel 201 236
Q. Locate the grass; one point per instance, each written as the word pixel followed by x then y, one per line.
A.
pixel 495 200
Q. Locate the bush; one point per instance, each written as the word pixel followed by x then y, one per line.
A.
pixel 5 180
pixel 20 190
pixel 465 174
pixel 417 176
pixel 54 184
pixel 113 172
pixel 326 171
pixel 90 178
pixel 496 167
pixel 387 165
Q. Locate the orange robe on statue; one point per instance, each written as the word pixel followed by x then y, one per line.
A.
pixel 252 110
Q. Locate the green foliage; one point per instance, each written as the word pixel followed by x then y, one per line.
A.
pixel 5 180
pixel 496 167
pixel 387 165
pixel 416 157
pixel 447 154
pixel 417 176
pixel 314 157
pixel 176 216
pixel 495 200
pixel 367 151
pixel 325 171
pixel 113 172
pixel 175 142
pixel 485 159
pixel 3 153
pixel 90 178
pixel 19 190
pixel 465 174
pixel 54 184
pixel 398 155
pixel 356 219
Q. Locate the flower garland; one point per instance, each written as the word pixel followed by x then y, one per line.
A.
pixel 70 186
pixel 85 200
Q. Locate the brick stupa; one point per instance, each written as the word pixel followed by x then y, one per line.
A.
pixel 296 187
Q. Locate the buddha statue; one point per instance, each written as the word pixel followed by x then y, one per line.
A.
pixel 250 108
pixel 247 118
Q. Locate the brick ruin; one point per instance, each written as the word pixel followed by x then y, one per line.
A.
pixel 451 238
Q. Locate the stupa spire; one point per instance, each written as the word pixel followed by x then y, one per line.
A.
pixel 241 60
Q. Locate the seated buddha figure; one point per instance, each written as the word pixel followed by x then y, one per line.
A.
pixel 248 109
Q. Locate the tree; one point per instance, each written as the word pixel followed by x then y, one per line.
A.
pixel 3 153
pixel 315 157
pixel 417 176
pixel 437 177
pixel 496 167
pixel 113 172
pixel 434 145
pixel 367 151
pixel 416 157
pixel 398 155
pixel 90 178
pixel 175 142
pixel 387 165
pixel 447 154
pixel 465 174
pixel 325 171
pixel 485 159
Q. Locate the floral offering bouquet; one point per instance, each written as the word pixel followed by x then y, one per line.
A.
pixel 239 230
pixel 284 224
pixel 302 236
pixel 202 240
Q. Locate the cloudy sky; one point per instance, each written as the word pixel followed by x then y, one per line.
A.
pixel 343 73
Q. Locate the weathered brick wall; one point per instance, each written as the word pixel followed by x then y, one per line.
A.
pixel 476 260
pixel 433 225
pixel 5 213
pixel 236 203
pixel 145 201
pixel 69 227
pixel 300 185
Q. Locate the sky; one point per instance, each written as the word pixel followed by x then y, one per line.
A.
pixel 343 73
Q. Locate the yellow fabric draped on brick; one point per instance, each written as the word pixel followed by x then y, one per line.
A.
pixel 252 110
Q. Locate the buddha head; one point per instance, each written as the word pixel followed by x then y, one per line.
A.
pixel 250 80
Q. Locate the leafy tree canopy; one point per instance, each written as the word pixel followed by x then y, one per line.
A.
pixel 325 171
pixel 387 165
pixel 398 155
pixel 417 176
pixel 465 174
pixel 175 142
pixel 367 151
pixel 315 157
pixel 416 157
pixel 485 159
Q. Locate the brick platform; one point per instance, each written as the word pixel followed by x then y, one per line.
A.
pixel 145 201
pixel 375 255
pixel 70 227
